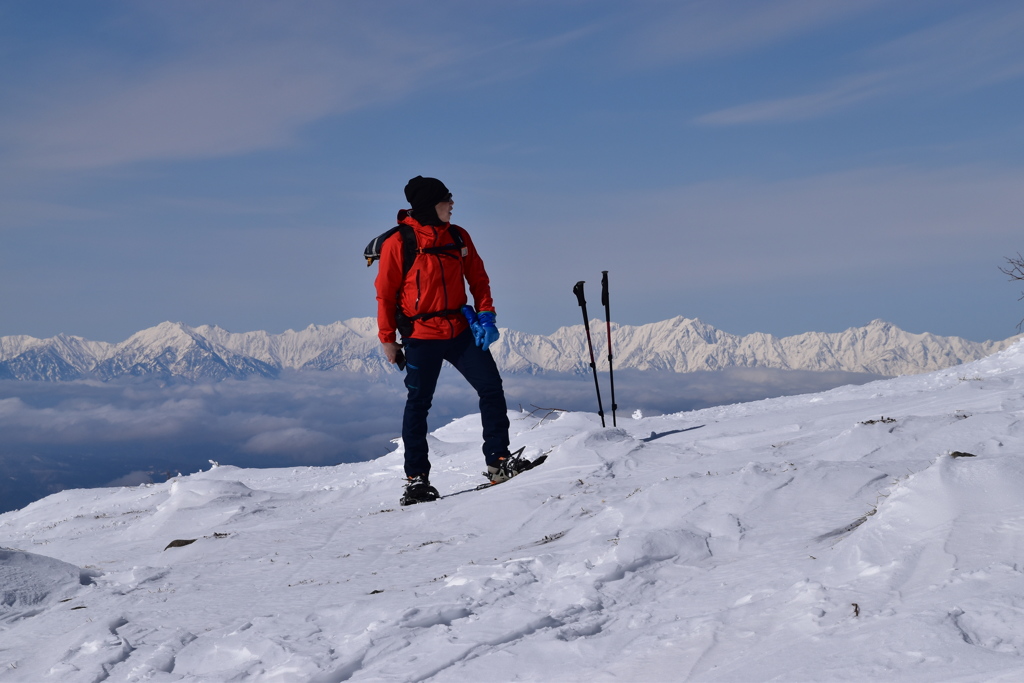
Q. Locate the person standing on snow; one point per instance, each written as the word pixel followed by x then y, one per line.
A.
pixel 425 305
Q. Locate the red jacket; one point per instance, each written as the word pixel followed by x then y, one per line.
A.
pixel 435 283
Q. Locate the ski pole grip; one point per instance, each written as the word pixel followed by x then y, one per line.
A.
pixel 578 291
pixel 604 287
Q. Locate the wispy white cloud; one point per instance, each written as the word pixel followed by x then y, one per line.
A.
pixel 232 78
pixel 840 95
pixel 226 82
pixel 758 232
pixel 973 50
pixel 312 444
pixel 701 28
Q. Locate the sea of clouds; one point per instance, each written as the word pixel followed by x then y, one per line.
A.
pixel 83 434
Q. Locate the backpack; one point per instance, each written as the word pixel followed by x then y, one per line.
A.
pixel 410 250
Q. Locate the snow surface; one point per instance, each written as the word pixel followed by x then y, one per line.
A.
pixel 802 538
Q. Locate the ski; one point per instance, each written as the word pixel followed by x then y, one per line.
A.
pixel 529 465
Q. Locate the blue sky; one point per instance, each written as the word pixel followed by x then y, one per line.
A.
pixel 779 166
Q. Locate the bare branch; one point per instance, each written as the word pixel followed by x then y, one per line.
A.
pixel 1014 270
pixel 549 412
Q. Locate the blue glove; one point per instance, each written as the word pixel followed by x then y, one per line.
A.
pixel 488 333
pixel 482 326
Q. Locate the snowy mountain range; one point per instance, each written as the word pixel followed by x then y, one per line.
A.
pixel 175 351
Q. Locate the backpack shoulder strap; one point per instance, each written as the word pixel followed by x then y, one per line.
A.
pixel 409 246
pixel 457 237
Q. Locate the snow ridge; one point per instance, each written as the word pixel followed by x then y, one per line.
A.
pixel 689 345
pixel 175 351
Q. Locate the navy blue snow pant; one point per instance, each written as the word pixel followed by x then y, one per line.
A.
pixel 424 358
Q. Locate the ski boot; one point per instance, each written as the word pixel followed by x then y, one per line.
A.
pixel 508 466
pixel 419 490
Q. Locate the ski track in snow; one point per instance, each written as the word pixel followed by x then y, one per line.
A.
pixel 803 538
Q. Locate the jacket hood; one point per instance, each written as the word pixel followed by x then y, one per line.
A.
pixel 406 216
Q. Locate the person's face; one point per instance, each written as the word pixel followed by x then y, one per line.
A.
pixel 444 210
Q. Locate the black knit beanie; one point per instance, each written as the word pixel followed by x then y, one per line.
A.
pixel 424 194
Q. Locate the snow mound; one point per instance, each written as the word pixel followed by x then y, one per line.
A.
pixel 28 580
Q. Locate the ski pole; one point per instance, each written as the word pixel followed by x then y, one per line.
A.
pixel 578 291
pixel 608 322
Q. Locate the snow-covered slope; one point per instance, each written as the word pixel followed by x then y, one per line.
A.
pixel 867 533
pixel 175 350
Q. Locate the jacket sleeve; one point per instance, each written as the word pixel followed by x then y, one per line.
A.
pixel 476 276
pixel 388 282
